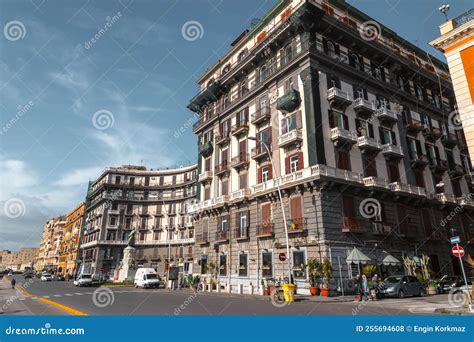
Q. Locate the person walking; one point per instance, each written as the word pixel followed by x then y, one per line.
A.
pixel 358 287
pixel 365 287
pixel 13 282
pixel 375 287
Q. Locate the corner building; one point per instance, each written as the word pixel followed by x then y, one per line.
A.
pixel 153 203
pixel 347 117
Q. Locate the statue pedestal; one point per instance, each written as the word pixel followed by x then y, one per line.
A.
pixel 128 266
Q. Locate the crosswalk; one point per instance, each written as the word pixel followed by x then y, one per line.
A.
pixel 75 294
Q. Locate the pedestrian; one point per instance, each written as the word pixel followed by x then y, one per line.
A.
pixel 375 287
pixel 365 287
pixel 13 283
pixel 358 287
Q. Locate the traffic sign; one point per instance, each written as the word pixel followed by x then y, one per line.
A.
pixel 282 256
pixel 455 240
pixel 458 251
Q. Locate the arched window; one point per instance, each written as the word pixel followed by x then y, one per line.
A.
pixel 263 71
pixel 226 69
pixel 355 61
pixel 288 54
pixel 331 49
pixel 242 54
pixel 401 82
pixel 243 87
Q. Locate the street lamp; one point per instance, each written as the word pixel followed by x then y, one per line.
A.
pixel 444 8
pixel 281 204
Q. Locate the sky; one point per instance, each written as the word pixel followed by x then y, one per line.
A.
pixel 89 84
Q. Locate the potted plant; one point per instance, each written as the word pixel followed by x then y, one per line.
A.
pixel 326 269
pixel 262 287
pixel 433 287
pixel 314 271
pixel 211 268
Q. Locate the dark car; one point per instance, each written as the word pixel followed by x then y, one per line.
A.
pixel 448 283
pixel 402 286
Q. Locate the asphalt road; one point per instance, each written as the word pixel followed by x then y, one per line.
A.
pixel 130 301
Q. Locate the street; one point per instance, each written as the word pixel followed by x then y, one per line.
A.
pixel 65 298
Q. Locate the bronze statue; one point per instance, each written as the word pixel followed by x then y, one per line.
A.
pixel 131 238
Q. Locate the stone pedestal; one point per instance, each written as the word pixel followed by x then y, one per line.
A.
pixel 128 266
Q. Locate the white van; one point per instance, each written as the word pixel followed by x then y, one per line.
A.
pixel 146 278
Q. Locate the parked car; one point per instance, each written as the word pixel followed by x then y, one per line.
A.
pixel 447 283
pixel 147 278
pixel 402 286
pixel 460 286
pixel 46 277
pixel 83 280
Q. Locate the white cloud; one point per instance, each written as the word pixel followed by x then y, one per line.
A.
pixel 79 176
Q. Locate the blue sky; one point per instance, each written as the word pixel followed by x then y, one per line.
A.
pixel 139 75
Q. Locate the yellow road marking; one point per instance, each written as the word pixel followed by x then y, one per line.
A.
pixel 53 303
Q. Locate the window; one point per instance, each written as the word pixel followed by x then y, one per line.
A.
pixel 393 171
pixel 364 128
pixel 243 264
pixel 348 206
pixel 267 264
pixel 114 206
pixel 426 214
pixel 203 263
pixel 224 187
pixel 331 49
pixel 111 234
pixel 266 217
pixel 156 236
pixel 243 217
pixel 294 163
pixel 128 223
pixel 243 180
pixel 419 178
pixel 207 193
pixel 117 179
pixel 291 122
pixel 356 62
pixel 243 116
pixel 265 174
pixel 343 160
pixel 223 264
pixel 224 226
pixel 387 136
pixel 337 119
pixel 414 148
pixel 113 220
pixel 370 166
pixel 288 55
pixel 263 73
pixel 263 105
pixel 296 212
pixel 382 102
pixel 243 87
pixel 333 81
pixel 299 262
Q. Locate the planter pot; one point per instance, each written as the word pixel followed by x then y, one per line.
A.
pixel 266 292
pixel 314 291
pixel 325 292
pixel 432 291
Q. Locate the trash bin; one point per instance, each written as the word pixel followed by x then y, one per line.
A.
pixel 289 292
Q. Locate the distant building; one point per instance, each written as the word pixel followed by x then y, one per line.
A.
pixel 48 256
pixel 69 245
pixel 20 260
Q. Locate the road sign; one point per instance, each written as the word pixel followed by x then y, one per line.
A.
pixel 455 240
pixel 458 251
pixel 282 256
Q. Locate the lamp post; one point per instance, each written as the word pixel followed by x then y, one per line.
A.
pixel 169 246
pixel 281 204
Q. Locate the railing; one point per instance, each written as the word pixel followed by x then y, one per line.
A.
pixel 240 127
pixel 297 225
pixel 205 176
pixel 385 113
pixel 259 150
pixel 240 194
pixel 291 136
pixel 240 159
pixel 338 132
pixel 222 137
pixel 241 233
pixel 222 235
pixel 443 197
pixel 363 103
pixel 335 93
pixel 408 188
pixel 365 141
pixel 202 238
pixel 221 168
pixel 377 182
pixel 465 201
pixel 392 149
pixel 260 114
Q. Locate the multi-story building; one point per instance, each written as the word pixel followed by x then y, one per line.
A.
pixel 153 203
pixel 457 43
pixel 70 243
pixel 19 260
pixel 48 255
pixel 348 117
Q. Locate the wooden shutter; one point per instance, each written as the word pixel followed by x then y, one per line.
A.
pixel 270 172
pixel 259 175
pixel 266 215
pixel 393 172
pixel 299 123
pixel 300 160
pixel 370 128
pixel 296 212
pixel 242 148
pixel 382 136
pixel 248 218
pixel 394 137
pixel 419 150
pixel 237 219
pixel 348 206
pixel 346 121
pixel 287 165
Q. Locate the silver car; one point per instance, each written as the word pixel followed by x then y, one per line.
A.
pixel 401 286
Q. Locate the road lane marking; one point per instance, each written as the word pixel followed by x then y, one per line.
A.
pixel 68 295
pixel 55 304
pixel 56 295
pixel 45 296
pixel 78 293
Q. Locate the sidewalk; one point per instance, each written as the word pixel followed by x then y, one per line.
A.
pixel 10 300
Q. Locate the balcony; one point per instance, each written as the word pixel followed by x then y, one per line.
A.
pixel 293 137
pixel 241 160
pixel 297 225
pixel 240 195
pixel 445 198
pixel 431 133
pixel 385 115
pixel 367 144
pixel 202 239
pixel 261 115
pixel 419 161
pixel 205 149
pixel 289 102
pixel 241 233
pixel 341 136
pixel 352 225
pixel 407 188
pixel 205 176
pixel 222 138
pixel 210 94
pixel 221 169
pixel 413 126
pixel 449 140
pixel 465 201
pixel 240 128
pixel 391 151
pixel 222 236
pixel 438 165
pixel 259 152
pixel 364 108
pixel 381 229
pixel 456 170
pixel 338 98
pixel 376 182
pixel 265 230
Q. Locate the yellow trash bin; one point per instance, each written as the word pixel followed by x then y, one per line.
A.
pixel 289 292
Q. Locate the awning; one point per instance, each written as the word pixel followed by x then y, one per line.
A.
pixel 357 257
pixel 389 260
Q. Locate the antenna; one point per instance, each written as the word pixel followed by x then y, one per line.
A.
pixel 444 8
